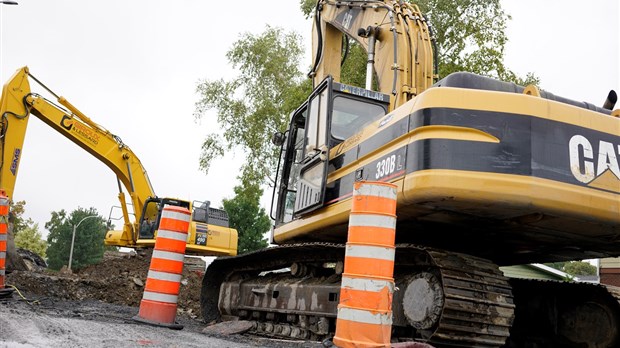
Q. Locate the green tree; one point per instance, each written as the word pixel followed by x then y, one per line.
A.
pixel 247 217
pixel 579 268
pixel 256 103
pixel 17 223
pixel 30 238
pixel 16 214
pixel 575 268
pixel 88 247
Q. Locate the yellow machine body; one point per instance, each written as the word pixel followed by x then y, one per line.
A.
pixel 486 174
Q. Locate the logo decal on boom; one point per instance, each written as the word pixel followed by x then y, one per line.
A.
pixel 66 125
pixel 15 161
pixel 79 129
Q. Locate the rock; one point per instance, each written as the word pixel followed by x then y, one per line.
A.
pixel 228 327
pixel 34 260
pixel 138 282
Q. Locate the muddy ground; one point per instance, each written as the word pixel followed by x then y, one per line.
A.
pixel 118 279
pixel 108 294
pixel 43 322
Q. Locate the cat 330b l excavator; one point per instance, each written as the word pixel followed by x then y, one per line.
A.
pixel 209 232
pixel 488 174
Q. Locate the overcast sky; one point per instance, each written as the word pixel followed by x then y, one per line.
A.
pixel 133 66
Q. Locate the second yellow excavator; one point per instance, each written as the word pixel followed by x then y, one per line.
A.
pixel 209 232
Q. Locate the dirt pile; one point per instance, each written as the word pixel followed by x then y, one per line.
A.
pixel 119 279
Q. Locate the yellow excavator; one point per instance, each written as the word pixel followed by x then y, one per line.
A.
pixel 209 233
pixel 488 174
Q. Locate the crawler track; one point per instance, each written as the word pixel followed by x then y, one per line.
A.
pixel 478 309
pixel 565 314
pixel 474 305
pixel 466 302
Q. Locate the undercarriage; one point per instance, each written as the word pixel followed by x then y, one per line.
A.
pixel 442 298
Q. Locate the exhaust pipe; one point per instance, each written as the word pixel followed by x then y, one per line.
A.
pixel 611 100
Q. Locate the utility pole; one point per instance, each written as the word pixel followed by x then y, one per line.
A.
pixel 73 238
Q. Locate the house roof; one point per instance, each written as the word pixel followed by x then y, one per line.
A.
pixel 552 270
pixel 534 271
pixel 540 271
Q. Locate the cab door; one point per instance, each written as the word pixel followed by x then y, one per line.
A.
pixel 313 167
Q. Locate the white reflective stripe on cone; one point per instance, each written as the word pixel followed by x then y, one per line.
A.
pixel 167 255
pixel 373 285
pixel 171 277
pixel 3 236
pixel 377 191
pixel 175 215
pixel 368 220
pixel 364 316
pixel 172 235
pixel 156 296
pixel 369 252
pixel 2 272
pixel 2 255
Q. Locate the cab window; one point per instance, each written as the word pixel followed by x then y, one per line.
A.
pixel 349 116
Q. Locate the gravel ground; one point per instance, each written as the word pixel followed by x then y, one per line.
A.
pixel 58 323
pixel 49 322
pixel 118 279
pixel 94 307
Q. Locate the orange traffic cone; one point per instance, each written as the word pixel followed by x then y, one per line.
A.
pixel 4 230
pixel 365 311
pixel 159 301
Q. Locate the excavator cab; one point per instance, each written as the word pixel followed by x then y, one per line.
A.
pixel 333 113
pixel 151 214
pixel 209 230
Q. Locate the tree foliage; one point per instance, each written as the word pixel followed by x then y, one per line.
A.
pixel 471 36
pixel 574 268
pixel 17 210
pixel 256 103
pixel 247 217
pixel 580 268
pixel 30 238
pixel 88 246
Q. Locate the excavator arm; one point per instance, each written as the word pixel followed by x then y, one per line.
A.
pixel 209 234
pixel 395 34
